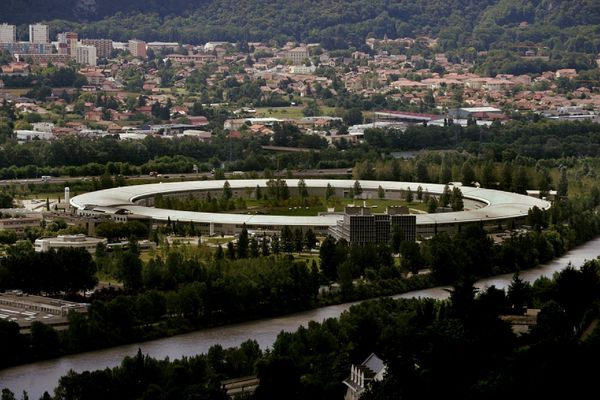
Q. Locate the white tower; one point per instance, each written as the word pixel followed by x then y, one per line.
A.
pixel 67 196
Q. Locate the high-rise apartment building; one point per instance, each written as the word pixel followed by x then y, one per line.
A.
pixel 39 34
pixel 137 48
pixel 67 43
pixel 8 33
pixel 104 47
pixel 86 55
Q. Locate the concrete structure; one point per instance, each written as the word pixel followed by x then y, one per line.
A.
pixel 491 208
pixel 361 226
pixel 24 309
pixel 20 225
pixel 67 43
pixel 86 55
pixel 8 33
pixel 104 47
pixel 371 370
pixel 137 48
pixel 73 241
pixel 39 34
pixel 298 55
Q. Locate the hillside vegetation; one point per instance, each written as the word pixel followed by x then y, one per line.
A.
pixel 483 24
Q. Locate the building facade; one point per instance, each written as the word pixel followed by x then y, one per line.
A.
pixel 298 55
pixel 86 55
pixel 39 34
pixel 104 47
pixel 73 241
pixel 137 48
pixel 360 226
pixel 8 33
pixel 361 376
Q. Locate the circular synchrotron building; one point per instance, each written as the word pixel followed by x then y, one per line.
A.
pixel 487 207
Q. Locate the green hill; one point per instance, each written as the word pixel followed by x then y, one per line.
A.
pixel 482 24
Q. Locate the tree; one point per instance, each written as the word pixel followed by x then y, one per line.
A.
pixel 219 254
pixel 298 240
pixel 275 245
pixel 445 197
pixel 302 190
pixel 227 192
pixel 287 239
pixel 432 205
pixel 357 188
pixel 468 173
pixel 409 196
pixel 310 239
pixel 519 293
pixel 254 250
pixel 353 117
pixel 380 192
pixel 422 174
pixel 563 183
pixel 419 193
pixel 311 109
pixel 456 199
pixel 411 256
pixel 242 245
pixel 329 192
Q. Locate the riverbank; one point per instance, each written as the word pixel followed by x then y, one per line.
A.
pixel 43 376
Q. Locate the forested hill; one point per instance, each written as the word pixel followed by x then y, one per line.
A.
pixel 572 25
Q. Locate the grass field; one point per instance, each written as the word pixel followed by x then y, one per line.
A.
pixel 294 112
pixel 378 206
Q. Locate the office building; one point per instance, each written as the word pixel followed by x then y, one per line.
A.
pixel 360 226
pixel 104 47
pixel 137 48
pixel 39 34
pixel 8 33
pixel 86 55
pixel 73 241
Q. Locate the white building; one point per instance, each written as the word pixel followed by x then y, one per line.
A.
pixel 73 241
pixel 86 55
pixel 8 33
pixel 39 34
pixel 27 135
pixel 371 370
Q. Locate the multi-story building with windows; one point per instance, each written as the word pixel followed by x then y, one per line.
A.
pixel 8 33
pixel 104 47
pixel 137 48
pixel 360 226
pixel 39 34
pixel 86 55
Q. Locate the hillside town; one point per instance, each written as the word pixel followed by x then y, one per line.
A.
pixel 135 89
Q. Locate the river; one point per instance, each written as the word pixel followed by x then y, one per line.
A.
pixel 43 376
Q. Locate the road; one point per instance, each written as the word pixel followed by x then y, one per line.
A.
pixel 176 176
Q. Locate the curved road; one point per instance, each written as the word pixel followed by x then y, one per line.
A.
pixel 43 376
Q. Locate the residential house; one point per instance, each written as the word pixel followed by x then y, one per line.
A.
pixel 361 376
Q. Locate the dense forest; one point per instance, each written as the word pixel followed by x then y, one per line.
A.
pixel 485 24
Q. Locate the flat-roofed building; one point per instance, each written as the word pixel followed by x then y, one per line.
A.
pixel 104 47
pixel 86 55
pixel 39 34
pixel 137 48
pixel 360 226
pixel 8 33
pixel 19 225
pixel 72 241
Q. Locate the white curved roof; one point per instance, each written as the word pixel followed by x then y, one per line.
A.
pixel 498 204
